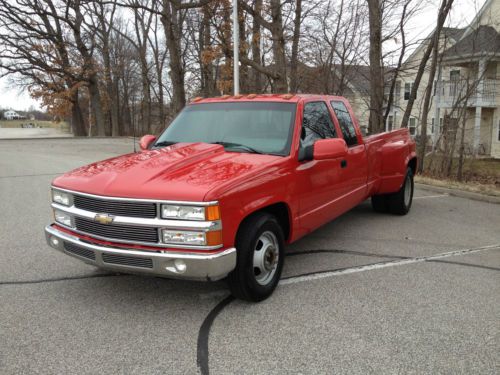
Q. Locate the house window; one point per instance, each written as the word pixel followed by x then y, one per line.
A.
pixel 397 93
pixel 390 122
pixel 413 125
pixel 454 75
pixel 432 125
pixel 440 130
pixel 408 88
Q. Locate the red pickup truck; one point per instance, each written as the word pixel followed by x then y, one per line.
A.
pixel 222 190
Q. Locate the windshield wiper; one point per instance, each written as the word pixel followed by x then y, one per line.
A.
pixel 164 144
pixel 238 145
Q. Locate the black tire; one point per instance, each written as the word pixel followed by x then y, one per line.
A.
pixel 243 281
pixel 397 203
pixel 379 203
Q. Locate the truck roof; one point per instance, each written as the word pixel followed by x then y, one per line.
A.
pixel 294 98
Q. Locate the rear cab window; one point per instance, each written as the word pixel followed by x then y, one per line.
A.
pixel 345 122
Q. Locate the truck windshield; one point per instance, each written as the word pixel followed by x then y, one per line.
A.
pixel 254 127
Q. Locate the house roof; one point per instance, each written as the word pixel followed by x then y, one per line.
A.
pixel 453 32
pixel 483 40
pixel 356 78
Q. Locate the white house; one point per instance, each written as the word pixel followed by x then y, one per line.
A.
pixel 11 115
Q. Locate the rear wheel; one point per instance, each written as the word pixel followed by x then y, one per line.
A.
pixel 260 247
pixel 400 203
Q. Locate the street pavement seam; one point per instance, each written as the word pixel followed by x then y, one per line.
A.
pixel 400 262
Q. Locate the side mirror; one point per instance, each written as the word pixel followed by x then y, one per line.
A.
pixel 330 148
pixel 146 141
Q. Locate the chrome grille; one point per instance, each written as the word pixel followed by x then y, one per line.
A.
pixel 80 251
pixel 117 208
pixel 119 232
pixel 127 261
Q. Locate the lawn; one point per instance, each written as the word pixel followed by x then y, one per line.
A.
pixel 43 124
pixel 479 175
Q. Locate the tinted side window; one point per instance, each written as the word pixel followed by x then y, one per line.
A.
pixel 316 124
pixel 345 122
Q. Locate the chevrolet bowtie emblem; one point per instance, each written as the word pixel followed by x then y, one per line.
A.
pixel 104 218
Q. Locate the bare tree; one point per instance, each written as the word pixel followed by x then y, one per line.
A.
pixel 444 9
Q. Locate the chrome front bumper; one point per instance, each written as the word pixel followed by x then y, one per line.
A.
pixel 205 267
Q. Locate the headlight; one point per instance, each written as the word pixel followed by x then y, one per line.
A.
pixel 61 197
pixel 172 211
pixel 63 218
pixel 183 237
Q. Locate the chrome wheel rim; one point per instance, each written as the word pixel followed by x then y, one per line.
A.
pixel 407 191
pixel 265 258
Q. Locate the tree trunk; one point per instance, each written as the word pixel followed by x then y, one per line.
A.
pixel 281 82
pixel 256 52
pixel 115 109
pixel 95 99
pixel 295 47
pixel 376 120
pixel 170 21
pixel 207 80
pixel 427 103
pixel 76 116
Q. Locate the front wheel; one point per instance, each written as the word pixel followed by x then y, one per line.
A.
pixel 399 203
pixel 260 247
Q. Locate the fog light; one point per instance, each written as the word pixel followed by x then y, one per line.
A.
pixel 176 266
pixel 180 265
pixel 54 241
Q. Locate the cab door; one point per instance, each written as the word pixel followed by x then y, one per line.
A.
pixel 318 181
pixel 354 167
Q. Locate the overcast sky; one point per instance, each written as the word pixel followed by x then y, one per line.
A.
pixel 462 13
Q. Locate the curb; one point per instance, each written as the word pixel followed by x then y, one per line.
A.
pixel 460 193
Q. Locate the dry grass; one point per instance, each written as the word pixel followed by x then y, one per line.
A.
pixel 44 124
pixel 475 170
pixel 474 187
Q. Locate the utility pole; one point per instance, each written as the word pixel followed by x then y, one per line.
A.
pixel 236 49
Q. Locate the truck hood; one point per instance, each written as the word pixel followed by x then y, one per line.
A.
pixel 184 171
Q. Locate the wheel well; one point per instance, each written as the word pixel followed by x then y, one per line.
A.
pixel 280 212
pixel 413 165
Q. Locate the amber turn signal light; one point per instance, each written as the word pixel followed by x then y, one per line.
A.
pixel 212 213
pixel 213 238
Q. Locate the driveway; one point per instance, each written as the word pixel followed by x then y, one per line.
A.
pixel 365 293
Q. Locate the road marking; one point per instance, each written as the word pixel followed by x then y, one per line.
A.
pixel 369 267
pixel 432 196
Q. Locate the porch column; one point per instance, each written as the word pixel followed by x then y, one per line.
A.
pixel 479 102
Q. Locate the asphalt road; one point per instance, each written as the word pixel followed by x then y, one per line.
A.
pixel 366 293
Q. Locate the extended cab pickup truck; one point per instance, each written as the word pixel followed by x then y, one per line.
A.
pixel 222 190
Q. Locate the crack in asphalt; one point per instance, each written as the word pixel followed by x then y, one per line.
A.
pixel 204 333
pixel 39 281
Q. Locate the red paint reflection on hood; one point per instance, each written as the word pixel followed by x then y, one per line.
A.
pixel 184 171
